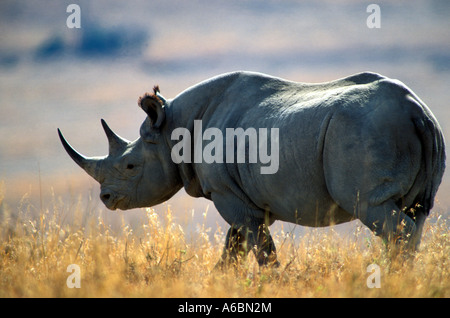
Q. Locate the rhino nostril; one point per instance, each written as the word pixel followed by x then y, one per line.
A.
pixel 105 196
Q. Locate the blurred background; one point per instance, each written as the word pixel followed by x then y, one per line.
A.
pixel 52 76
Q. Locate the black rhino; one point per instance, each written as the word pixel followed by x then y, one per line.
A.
pixel 362 147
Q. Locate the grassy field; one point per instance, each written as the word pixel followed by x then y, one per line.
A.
pixel 158 259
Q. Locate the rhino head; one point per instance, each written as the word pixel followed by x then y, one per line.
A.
pixel 136 173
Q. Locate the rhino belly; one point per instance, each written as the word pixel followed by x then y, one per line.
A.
pixel 299 209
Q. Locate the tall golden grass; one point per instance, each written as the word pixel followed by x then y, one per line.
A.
pixel 158 259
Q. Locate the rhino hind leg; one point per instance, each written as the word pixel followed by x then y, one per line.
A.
pixel 391 224
pixel 372 172
pixel 384 216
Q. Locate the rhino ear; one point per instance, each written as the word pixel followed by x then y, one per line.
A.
pixel 153 105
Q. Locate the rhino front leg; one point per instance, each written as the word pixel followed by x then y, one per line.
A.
pixel 235 246
pixel 265 250
pixel 240 240
pixel 249 231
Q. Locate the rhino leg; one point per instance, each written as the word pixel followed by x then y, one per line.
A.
pixel 373 173
pixel 248 232
pixel 265 251
pixel 235 246
pixel 391 224
pixel 240 241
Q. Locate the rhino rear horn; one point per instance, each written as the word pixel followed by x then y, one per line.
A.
pixel 116 143
pixel 89 164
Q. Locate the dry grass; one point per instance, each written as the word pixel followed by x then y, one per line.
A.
pixel 159 260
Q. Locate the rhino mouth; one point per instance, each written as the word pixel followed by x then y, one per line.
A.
pixel 121 203
pixel 114 202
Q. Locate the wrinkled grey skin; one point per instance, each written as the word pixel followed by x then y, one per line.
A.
pixel 363 147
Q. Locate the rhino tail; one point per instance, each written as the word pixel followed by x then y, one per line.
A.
pixel 432 163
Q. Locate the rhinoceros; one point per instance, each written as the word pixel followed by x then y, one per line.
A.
pixel 361 147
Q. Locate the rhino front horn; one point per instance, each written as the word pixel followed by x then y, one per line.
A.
pixel 89 164
pixel 116 143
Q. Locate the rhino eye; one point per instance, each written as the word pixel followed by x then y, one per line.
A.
pixel 130 166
